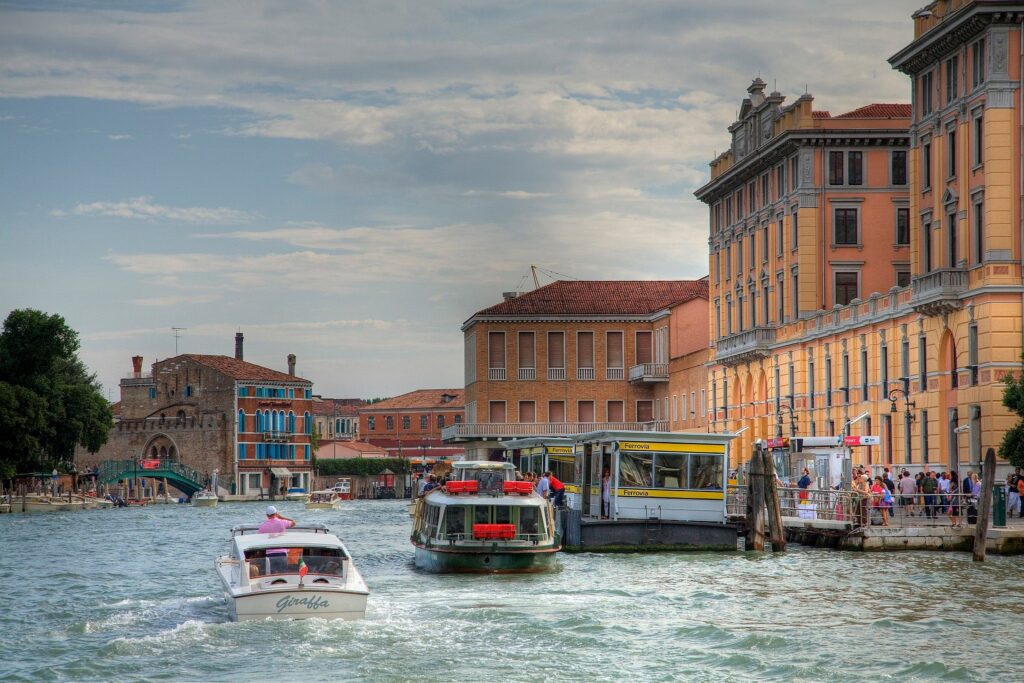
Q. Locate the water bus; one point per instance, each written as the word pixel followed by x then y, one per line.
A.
pixel 324 500
pixel 343 487
pixel 313 577
pixel 485 521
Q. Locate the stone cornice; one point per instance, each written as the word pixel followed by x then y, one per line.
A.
pixel 952 33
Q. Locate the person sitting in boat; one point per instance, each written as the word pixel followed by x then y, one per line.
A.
pixel 276 524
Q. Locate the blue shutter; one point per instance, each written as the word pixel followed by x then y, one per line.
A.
pixel 241 421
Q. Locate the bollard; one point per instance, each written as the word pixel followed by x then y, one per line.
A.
pixel 999 506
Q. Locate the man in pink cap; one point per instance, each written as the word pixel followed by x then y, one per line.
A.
pixel 276 524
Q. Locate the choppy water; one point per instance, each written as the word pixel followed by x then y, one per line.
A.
pixel 126 595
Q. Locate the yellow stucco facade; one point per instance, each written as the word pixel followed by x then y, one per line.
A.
pixel 923 360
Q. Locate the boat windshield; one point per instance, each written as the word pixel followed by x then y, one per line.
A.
pixel 266 561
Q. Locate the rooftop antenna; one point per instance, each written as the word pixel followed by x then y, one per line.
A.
pixel 177 336
pixel 536 282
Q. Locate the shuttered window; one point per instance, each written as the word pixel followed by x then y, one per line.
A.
pixel 615 412
pixel 644 411
pixel 496 346
pixel 586 411
pixel 527 411
pixel 556 411
pixel 644 351
pixel 615 356
pixel 584 349
pixel 527 355
pixel 556 349
pixel 496 412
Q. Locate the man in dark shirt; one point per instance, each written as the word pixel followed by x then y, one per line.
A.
pixel 929 487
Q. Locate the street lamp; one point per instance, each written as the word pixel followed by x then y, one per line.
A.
pixel 778 419
pixel 850 423
pixel 908 404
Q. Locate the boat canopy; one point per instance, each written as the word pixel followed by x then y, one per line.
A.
pixel 281 471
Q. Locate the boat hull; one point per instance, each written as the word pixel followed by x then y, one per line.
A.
pixel 324 506
pixel 305 603
pixel 204 502
pixel 490 561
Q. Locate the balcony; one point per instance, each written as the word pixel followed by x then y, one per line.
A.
pixel 277 437
pixel 745 346
pixel 495 430
pixel 527 373
pixel 648 372
pixel 938 292
pixel 584 373
pixel 613 373
pixel 496 373
pixel 556 373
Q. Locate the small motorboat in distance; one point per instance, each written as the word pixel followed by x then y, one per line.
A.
pixel 313 578
pixel 204 499
pixel 324 500
pixel 297 493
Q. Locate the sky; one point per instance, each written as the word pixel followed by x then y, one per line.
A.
pixel 351 181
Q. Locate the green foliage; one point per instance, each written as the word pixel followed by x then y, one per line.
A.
pixel 371 401
pixel 1012 447
pixel 360 466
pixel 49 402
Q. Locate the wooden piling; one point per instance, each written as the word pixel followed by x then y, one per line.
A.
pixel 755 504
pixel 988 480
pixel 771 499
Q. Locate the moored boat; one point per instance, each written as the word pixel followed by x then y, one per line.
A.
pixel 297 493
pixel 313 578
pixel 204 499
pixel 484 521
pixel 324 500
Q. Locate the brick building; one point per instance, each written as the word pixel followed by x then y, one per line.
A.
pixel 410 425
pixel 574 356
pixel 250 423
pixel 336 419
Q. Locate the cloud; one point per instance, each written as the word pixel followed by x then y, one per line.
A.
pixel 119 136
pixel 142 208
pixel 177 299
pixel 508 194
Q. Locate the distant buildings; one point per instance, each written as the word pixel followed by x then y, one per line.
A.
pixel 575 356
pixel 250 423
pixel 410 425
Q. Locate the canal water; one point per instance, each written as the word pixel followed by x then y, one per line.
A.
pixel 130 595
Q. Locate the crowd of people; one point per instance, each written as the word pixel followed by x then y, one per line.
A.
pixel 929 494
pixel 547 485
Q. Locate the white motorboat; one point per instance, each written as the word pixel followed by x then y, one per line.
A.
pixel 324 500
pixel 313 578
pixel 297 493
pixel 204 499
pixel 44 503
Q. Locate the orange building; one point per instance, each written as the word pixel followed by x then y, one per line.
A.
pixel 410 425
pixel 575 356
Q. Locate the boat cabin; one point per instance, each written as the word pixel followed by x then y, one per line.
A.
pixel 668 476
pixel 312 545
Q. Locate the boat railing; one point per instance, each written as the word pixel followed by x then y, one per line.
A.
pixel 315 527
pixel 460 538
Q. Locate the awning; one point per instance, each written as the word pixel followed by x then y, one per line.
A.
pixel 280 472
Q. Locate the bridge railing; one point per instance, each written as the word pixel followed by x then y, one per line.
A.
pixel 113 470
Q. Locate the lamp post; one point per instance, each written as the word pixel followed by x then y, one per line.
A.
pixel 778 420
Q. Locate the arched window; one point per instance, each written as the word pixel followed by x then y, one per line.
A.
pixel 241 421
pixel 171 452
pixel 307 423
pixel 154 452
pixel 267 424
pixel 280 421
pixel 337 426
pixel 273 421
pixel 163 452
pixel 291 422
pixel 181 415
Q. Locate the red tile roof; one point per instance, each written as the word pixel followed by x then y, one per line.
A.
pixel 878 111
pixel 601 297
pixel 361 446
pixel 342 407
pixel 820 115
pixel 241 370
pixel 422 399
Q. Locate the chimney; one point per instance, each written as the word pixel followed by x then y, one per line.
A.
pixel 137 365
pixel 291 364
pixel 238 345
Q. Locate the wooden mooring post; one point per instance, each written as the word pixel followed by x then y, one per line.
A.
pixel 771 499
pixel 755 506
pixel 988 480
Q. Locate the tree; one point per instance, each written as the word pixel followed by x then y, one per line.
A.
pixel 50 402
pixel 1012 447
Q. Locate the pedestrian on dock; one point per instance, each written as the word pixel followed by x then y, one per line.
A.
pixel 930 487
pixel 878 495
pixel 804 484
pixel 1014 484
pixel 954 501
pixel 863 491
pixel 908 487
